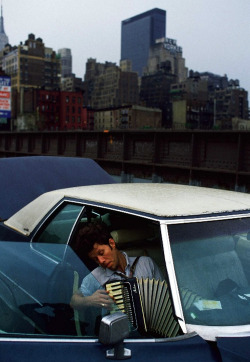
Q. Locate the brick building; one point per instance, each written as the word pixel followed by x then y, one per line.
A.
pixel 165 52
pixel 51 110
pixel 31 65
pixel 206 100
pixel 127 117
pixel 72 113
pixel 229 103
pixel 47 109
pixel 191 105
pixel 165 66
pixel 155 92
pixel 71 84
pixel 106 85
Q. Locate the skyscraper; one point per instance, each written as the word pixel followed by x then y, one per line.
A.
pixel 66 61
pixel 139 34
pixel 3 37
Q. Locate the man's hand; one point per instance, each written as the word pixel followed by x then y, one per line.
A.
pixel 99 299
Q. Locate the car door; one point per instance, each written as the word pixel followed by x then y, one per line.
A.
pixel 192 348
pixel 32 272
pixel 45 327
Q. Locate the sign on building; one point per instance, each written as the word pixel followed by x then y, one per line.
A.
pixel 5 97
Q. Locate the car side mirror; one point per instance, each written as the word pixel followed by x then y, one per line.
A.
pixel 113 329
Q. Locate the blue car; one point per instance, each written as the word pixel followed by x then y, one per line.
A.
pixel 198 237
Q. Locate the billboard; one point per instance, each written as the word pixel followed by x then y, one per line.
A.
pixel 5 97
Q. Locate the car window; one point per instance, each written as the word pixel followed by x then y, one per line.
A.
pixel 211 261
pixel 145 298
pixel 53 236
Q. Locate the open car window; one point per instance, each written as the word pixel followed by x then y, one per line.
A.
pixel 146 300
pixel 211 261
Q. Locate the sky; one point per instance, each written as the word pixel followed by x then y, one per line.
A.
pixel 214 34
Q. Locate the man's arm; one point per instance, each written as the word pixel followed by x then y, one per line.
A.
pixel 100 299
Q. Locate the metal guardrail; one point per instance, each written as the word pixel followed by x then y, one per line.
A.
pixel 207 158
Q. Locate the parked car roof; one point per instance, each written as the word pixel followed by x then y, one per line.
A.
pixel 22 179
pixel 159 200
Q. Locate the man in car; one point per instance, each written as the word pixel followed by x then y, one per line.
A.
pixel 113 264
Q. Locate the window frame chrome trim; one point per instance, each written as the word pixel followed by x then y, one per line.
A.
pixel 32 242
pixel 172 276
pixel 94 340
pixel 204 218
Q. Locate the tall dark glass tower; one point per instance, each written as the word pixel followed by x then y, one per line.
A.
pixel 138 34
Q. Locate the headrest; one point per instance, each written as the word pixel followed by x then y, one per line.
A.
pixel 127 236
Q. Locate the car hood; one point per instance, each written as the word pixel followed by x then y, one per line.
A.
pixel 22 179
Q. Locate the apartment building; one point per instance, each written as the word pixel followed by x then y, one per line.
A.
pixel 31 65
pixel 206 101
pixel 106 85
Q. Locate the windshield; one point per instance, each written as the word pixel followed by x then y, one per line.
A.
pixel 211 261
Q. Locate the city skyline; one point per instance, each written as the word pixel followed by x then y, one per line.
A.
pixel 213 35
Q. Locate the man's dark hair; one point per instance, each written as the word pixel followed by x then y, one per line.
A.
pixel 91 233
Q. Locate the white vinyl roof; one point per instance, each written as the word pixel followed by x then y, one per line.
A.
pixel 160 200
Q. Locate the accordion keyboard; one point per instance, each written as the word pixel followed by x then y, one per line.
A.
pixel 126 299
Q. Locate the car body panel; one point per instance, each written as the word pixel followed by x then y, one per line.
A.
pixel 188 349
pixel 234 348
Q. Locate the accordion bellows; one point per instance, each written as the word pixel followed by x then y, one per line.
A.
pixel 148 304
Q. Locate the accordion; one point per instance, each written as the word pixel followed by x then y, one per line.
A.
pixel 148 304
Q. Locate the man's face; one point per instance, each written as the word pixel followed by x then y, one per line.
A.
pixel 105 255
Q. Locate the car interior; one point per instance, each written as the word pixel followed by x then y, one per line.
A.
pixel 137 236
